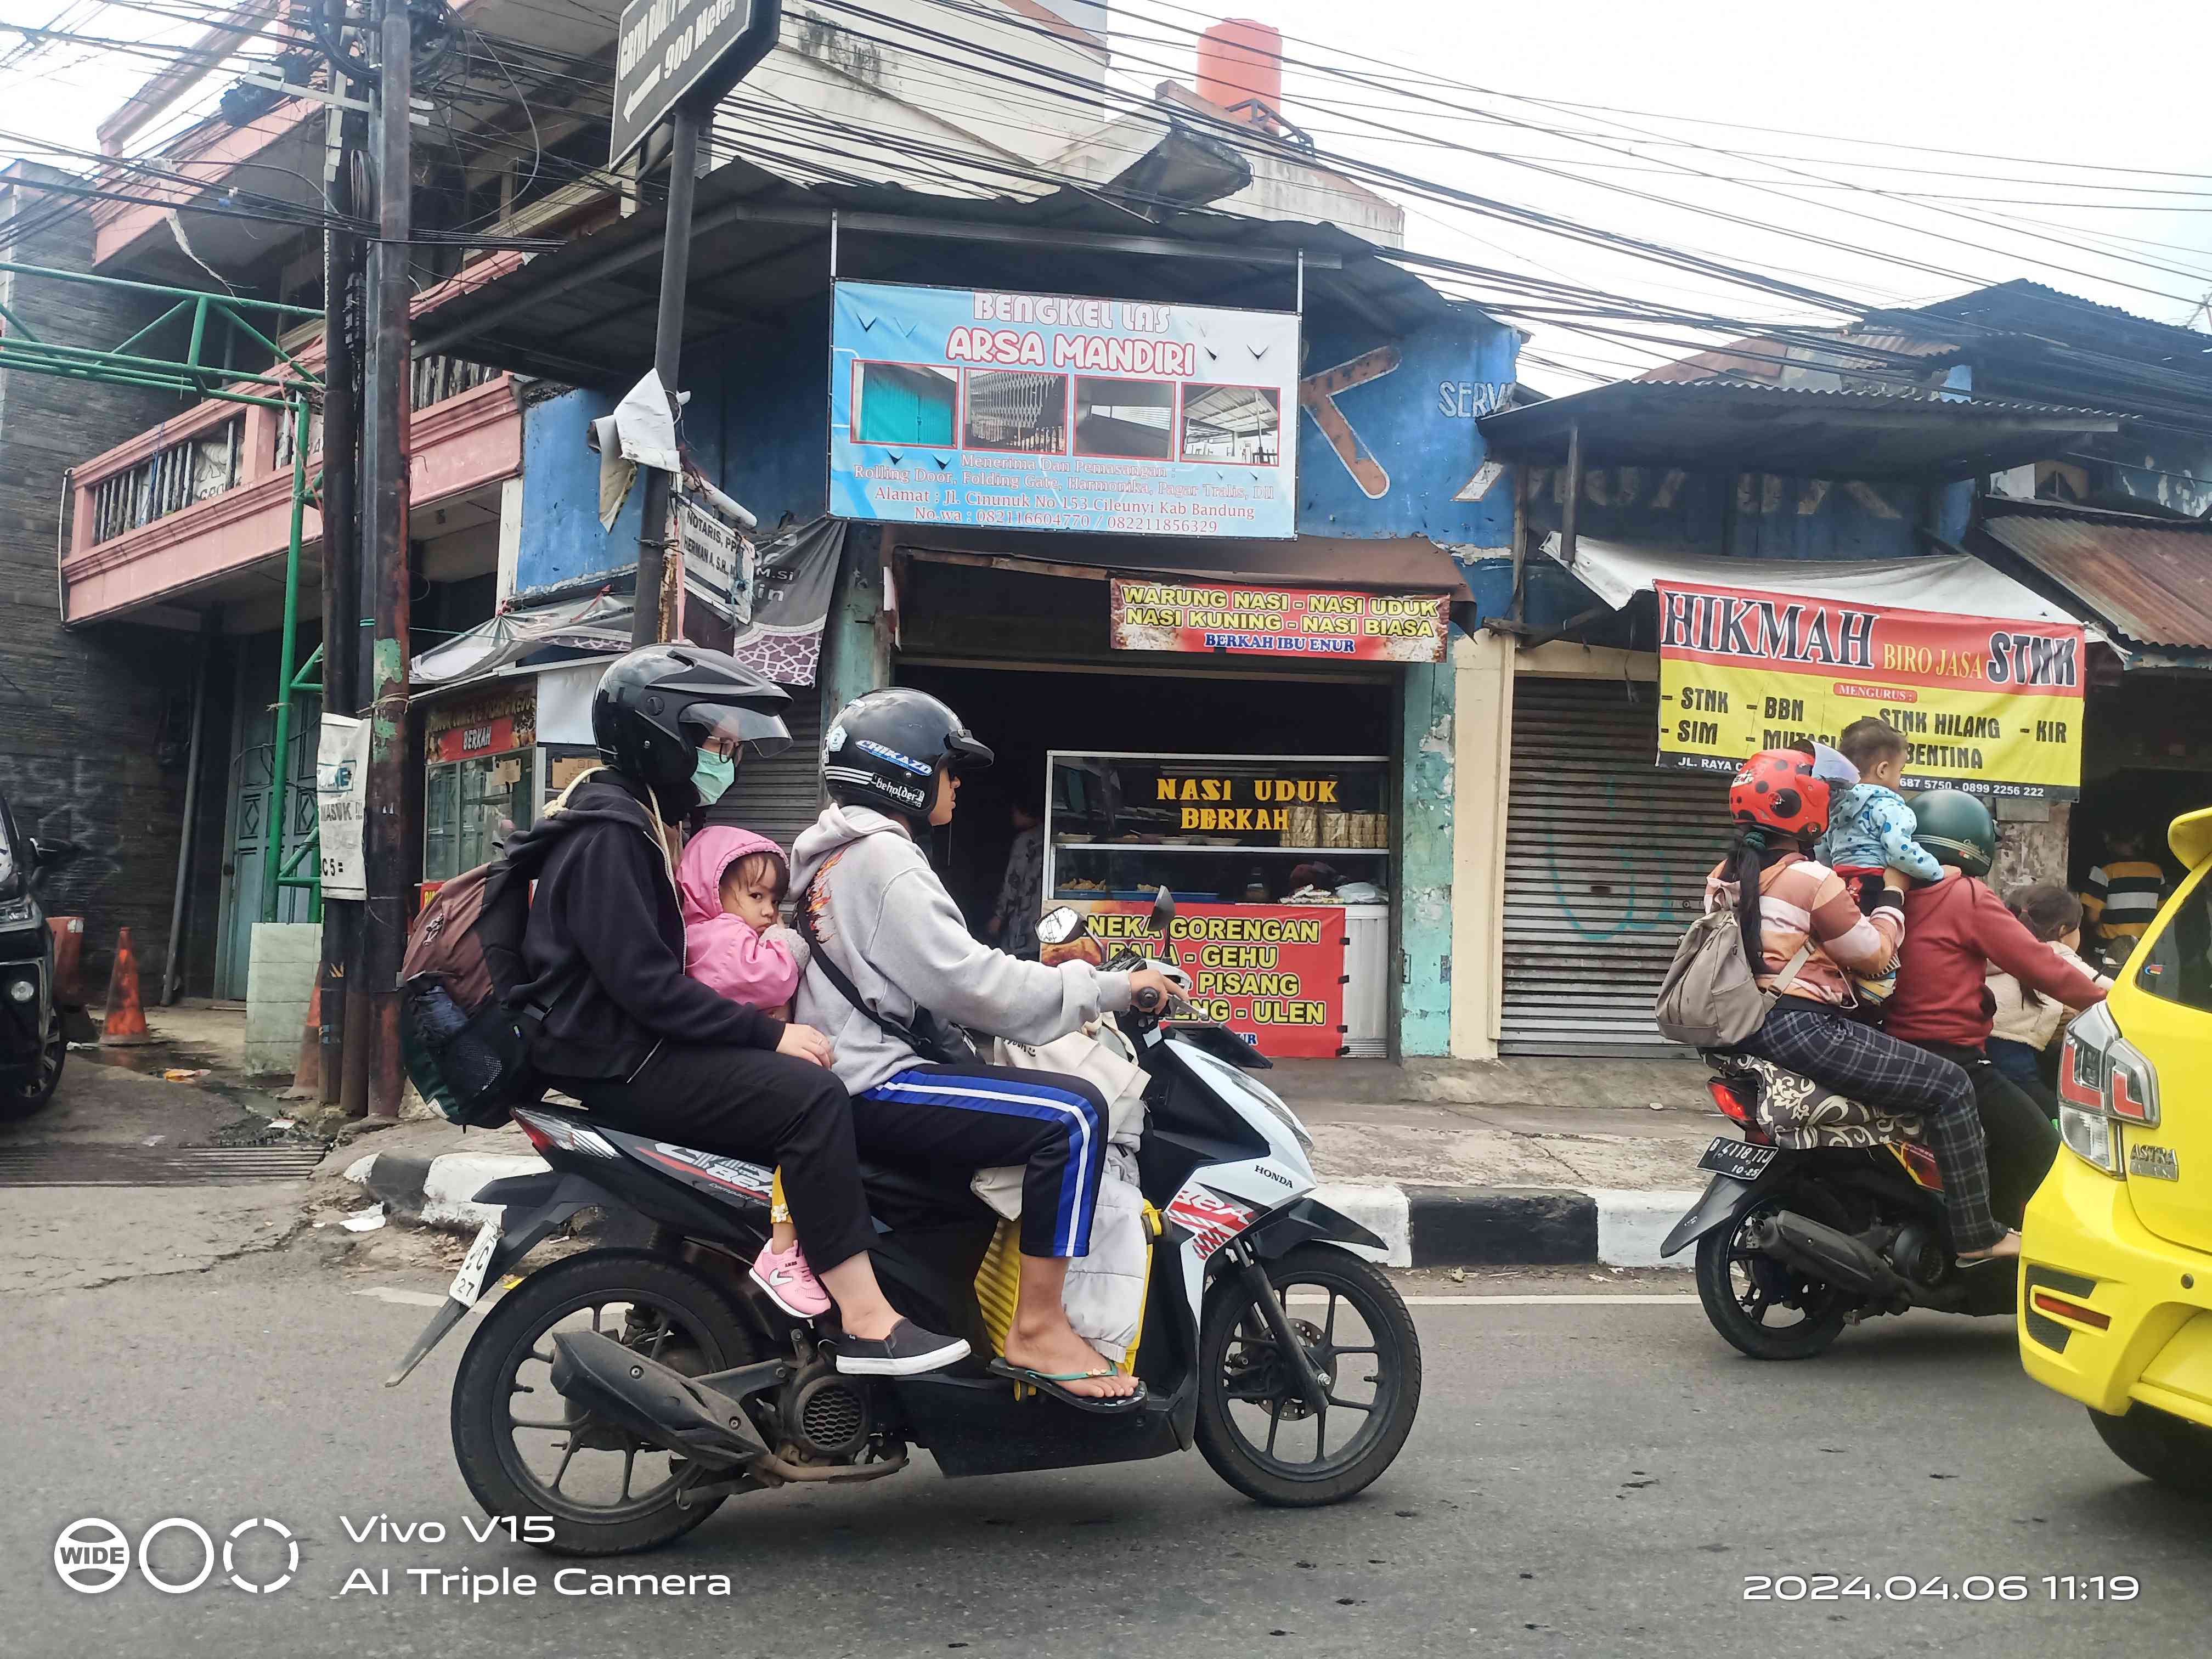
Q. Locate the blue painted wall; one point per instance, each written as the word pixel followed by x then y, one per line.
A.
pixel 758 421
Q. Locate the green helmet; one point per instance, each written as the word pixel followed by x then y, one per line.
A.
pixel 1957 828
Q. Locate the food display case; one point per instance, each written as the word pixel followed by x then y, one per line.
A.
pixel 1280 869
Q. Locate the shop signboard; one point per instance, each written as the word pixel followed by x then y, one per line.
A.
pixel 717 559
pixel 1272 973
pixel 1338 623
pixel 1050 411
pixel 1985 704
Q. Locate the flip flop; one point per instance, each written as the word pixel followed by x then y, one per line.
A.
pixel 1049 1382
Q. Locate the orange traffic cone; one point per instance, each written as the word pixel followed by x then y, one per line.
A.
pixel 126 1014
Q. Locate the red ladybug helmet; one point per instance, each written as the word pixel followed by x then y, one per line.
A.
pixel 1777 790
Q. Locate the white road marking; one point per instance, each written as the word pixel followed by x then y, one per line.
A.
pixel 406 1298
pixel 1514 1301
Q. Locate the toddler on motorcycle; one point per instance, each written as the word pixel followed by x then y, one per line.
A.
pixel 732 882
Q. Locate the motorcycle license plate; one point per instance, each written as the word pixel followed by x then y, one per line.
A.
pixel 1739 1160
pixel 468 1284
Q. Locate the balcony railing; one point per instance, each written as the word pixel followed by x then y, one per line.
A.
pixel 435 380
pixel 191 470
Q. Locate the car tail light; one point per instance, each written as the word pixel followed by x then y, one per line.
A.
pixel 2104 1080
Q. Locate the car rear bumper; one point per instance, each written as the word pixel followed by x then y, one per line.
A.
pixel 2085 1249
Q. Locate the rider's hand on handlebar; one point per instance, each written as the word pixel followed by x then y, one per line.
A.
pixel 804 1043
pixel 1150 990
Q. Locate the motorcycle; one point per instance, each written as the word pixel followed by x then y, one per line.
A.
pixel 33 1040
pixel 1823 1213
pixel 1266 1325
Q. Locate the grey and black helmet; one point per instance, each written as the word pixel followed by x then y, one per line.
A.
pixel 656 707
pixel 887 749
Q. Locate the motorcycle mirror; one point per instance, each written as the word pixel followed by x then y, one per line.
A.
pixel 54 855
pixel 1059 925
pixel 1162 910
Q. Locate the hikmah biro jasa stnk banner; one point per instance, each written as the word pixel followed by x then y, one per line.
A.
pixel 1052 411
pixel 1988 705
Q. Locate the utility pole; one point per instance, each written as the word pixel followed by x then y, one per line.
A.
pixel 385 561
pixel 649 623
pixel 339 976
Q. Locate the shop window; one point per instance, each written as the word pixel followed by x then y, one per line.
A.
pixel 471 806
pixel 2178 966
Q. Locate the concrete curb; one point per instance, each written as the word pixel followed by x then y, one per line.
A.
pixel 1421 1226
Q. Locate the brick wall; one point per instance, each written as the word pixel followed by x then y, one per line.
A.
pixel 94 723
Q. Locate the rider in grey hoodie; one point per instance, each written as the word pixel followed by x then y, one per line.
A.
pixel 882 920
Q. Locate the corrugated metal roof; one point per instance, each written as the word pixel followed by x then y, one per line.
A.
pixel 2151 579
pixel 1723 425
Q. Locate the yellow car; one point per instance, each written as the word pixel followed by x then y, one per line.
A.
pixel 2116 1275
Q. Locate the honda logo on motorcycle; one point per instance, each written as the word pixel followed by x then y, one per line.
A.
pixel 1210 1219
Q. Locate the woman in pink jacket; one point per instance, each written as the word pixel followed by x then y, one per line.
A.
pixel 732 882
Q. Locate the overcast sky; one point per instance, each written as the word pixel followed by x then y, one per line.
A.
pixel 2117 86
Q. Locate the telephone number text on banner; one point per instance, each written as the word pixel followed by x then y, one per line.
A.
pixel 1984 704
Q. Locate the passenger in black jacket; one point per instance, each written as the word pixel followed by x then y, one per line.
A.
pixel 625 1031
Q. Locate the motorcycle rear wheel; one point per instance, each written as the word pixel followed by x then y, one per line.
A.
pixel 1238 1367
pixel 1739 1287
pixel 502 1389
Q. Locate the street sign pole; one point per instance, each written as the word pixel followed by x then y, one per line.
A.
pixel 674 61
pixel 651 621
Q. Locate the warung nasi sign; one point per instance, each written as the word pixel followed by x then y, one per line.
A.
pixel 1985 704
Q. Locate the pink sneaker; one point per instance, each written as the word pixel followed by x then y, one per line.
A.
pixel 790 1283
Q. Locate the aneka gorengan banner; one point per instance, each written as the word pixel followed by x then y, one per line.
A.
pixel 1985 704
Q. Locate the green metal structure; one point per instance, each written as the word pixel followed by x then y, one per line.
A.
pixel 128 363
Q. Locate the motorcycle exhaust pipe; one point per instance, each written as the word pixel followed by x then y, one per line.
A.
pixel 1836 1258
pixel 661 1406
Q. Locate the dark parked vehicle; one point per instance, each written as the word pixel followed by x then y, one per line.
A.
pixel 33 1043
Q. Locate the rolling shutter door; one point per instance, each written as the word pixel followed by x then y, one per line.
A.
pixel 1605 865
pixel 780 797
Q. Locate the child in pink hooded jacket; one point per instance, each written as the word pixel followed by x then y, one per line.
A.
pixel 732 882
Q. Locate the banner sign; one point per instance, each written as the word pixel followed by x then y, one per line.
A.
pixel 1272 973
pixel 342 804
pixel 1988 705
pixel 1048 411
pixel 1155 616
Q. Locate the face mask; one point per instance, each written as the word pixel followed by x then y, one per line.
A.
pixel 714 774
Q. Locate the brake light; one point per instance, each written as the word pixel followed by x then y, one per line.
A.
pixel 2103 1080
pixel 2045 1302
pixel 1724 1097
pixel 553 1134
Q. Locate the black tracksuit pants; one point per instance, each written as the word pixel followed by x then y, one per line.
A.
pixel 2022 1143
pixel 758 1104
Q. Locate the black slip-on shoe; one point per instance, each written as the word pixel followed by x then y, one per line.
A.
pixel 909 1351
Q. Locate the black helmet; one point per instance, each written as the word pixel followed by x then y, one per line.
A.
pixel 885 751
pixel 1957 828
pixel 657 706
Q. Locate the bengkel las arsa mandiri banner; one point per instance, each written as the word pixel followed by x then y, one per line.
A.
pixel 1272 973
pixel 1985 704
pixel 1052 411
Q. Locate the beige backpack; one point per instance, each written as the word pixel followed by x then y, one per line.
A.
pixel 1709 998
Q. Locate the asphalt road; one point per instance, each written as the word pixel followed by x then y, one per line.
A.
pixel 1600 1477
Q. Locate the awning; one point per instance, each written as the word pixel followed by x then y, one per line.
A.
pixel 2149 579
pixel 1391 562
pixel 1726 426
pixel 523 642
pixel 1616 573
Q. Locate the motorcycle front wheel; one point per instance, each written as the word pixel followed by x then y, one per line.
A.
pixel 526 1452
pixel 1254 1426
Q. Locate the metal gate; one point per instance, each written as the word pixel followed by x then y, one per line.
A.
pixel 780 797
pixel 1606 857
